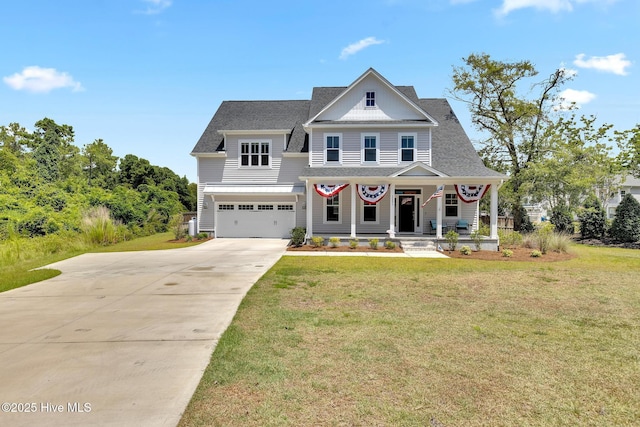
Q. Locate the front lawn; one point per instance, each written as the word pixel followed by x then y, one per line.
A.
pixel 390 341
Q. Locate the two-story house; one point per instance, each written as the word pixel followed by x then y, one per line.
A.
pixel 355 161
pixel 627 185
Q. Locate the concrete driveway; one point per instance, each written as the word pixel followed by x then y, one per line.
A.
pixel 122 339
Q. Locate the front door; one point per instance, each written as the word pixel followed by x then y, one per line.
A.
pixel 406 213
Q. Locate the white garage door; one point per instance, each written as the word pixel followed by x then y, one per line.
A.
pixel 274 220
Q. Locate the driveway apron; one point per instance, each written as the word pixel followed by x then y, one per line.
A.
pixel 122 339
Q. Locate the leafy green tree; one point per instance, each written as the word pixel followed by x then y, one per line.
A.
pixel 626 224
pixel 56 156
pixel 561 219
pixel 14 138
pixel 629 144
pixel 135 171
pixel 515 123
pixel 576 161
pixel 99 164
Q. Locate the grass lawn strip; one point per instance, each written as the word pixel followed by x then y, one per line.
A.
pixel 356 341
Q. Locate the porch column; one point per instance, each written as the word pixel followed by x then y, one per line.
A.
pixel 439 214
pixel 353 209
pixel 392 211
pixel 493 218
pixel 310 191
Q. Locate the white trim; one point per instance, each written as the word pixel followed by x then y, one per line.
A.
pixel 363 135
pixel 324 209
pixel 444 204
pixel 259 142
pixel 362 206
pixel 324 148
pixel 385 82
pixel 255 132
pixel 413 135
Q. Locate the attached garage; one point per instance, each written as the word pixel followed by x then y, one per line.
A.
pixel 245 210
pixel 248 219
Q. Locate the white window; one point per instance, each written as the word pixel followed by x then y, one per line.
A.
pixel 245 207
pixel 226 207
pixel 451 205
pixel 369 213
pixel 332 209
pixel 370 99
pixel 255 153
pixel 622 194
pixel 407 147
pixel 370 148
pixel 285 207
pixel 332 148
pixel 265 207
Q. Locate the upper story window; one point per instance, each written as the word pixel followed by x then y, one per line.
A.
pixel 255 153
pixel 622 194
pixel 451 204
pixel 370 148
pixel 407 148
pixel 370 99
pixel 332 147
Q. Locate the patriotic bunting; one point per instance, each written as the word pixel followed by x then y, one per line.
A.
pixel 471 193
pixel 372 193
pixel 329 190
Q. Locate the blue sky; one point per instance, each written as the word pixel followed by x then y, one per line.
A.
pixel 146 76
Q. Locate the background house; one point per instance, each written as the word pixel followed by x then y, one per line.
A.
pixel 353 160
pixel 628 185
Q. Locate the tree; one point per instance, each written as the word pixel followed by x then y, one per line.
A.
pixel 56 156
pixel 629 143
pixel 592 219
pixel 515 124
pixel 135 171
pixel 576 161
pixel 14 138
pixel 99 164
pixel 626 224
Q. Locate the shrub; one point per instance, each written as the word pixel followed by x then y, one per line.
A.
pixel 317 241
pixel 592 220
pixel 626 224
pixel 177 226
pixel 543 235
pixel 373 243
pixel 508 253
pixel 465 250
pixel 389 245
pixel 98 226
pixel 353 243
pixel 559 242
pixel 484 230
pixel 510 238
pixel 334 241
pixel 561 219
pixel 536 253
pixel 202 236
pixel 452 239
pixel 477 239
pixel 297 236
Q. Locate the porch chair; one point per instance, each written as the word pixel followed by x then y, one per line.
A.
pixel 462 225
pixel 433 225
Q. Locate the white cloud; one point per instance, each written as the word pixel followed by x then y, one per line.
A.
pixel 356 47
pixel 156 6
pixel 571 98
pixel 615 64
pixel 553 6
pixel 41 80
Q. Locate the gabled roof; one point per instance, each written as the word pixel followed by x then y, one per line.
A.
pixel 327 97
pixel 256 116
pixel 420 167
pixel 452 151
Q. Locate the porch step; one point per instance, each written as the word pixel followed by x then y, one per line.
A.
pixel 418 245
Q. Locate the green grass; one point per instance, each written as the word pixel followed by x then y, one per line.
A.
pixel 348 341
pixel 19 257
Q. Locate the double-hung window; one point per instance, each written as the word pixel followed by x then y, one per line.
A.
pixel 369 213
pixel 332 148
pixel 255 153
pixel 370 148
pixel 332 208
pixel 451 205
pixel 407 147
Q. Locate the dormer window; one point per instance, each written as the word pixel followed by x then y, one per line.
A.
pixel 370 99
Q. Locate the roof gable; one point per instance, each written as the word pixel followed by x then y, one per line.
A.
pixel 348 104
pixel 418 169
